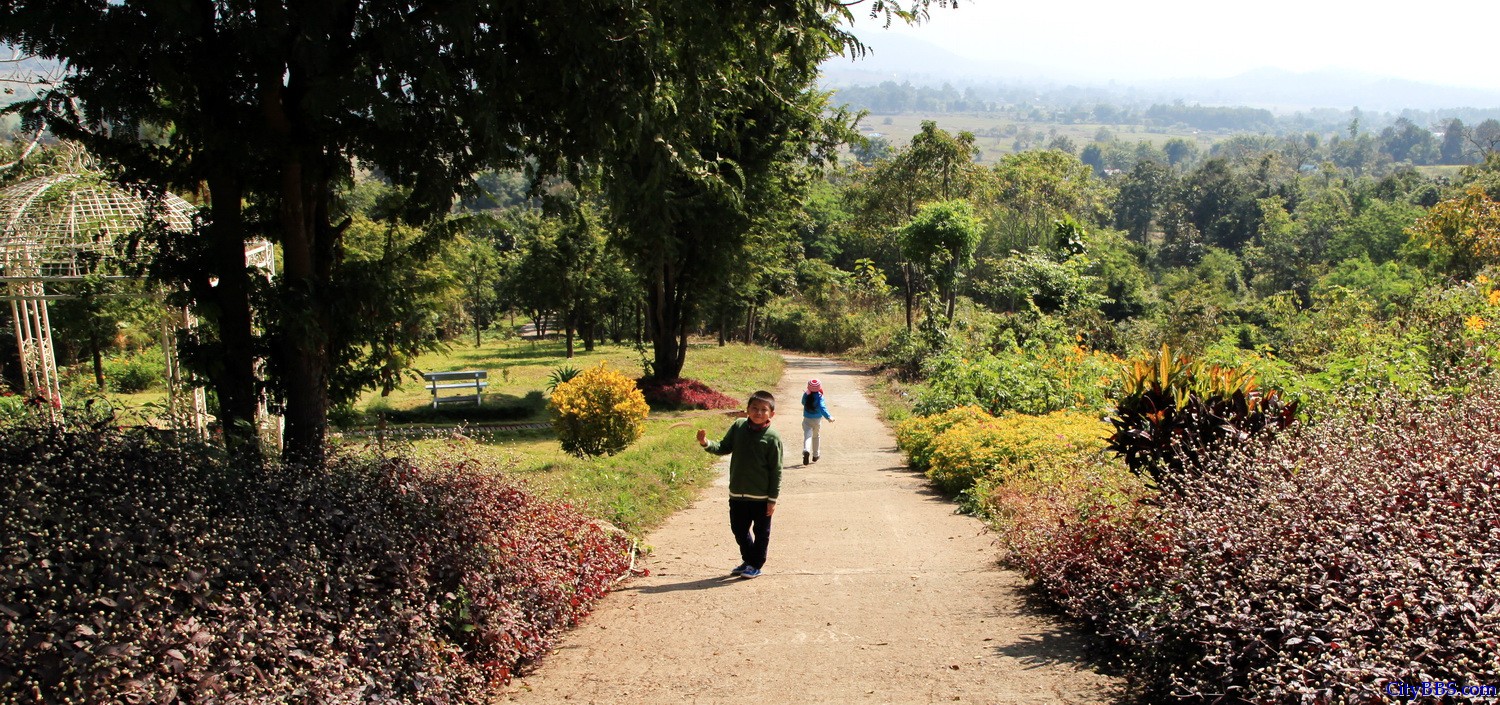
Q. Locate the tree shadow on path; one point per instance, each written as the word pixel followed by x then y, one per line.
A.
pixel 702 584
pixel 1068 644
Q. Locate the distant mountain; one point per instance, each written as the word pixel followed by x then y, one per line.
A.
pixel 903 58
pixel 1282 90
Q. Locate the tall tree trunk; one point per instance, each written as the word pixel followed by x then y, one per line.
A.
pixel 94 346
pixel 908 293
pixel 232 371
pixel 568 334
pixel 668 324
pixel 951 295
pixel 723 326
pixel 308 243
pixel 588 335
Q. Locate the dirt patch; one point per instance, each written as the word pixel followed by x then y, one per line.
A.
pixel 875 591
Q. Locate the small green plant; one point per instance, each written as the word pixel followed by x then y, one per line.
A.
pixel 598 412
pixel 1174 408
pixel 560 375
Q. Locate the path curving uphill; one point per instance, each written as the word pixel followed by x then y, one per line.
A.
pixel 875 591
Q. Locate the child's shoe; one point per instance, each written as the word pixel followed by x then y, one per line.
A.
pixel 804 457
pixel 815 458
pixel 750 572
pixel 739 569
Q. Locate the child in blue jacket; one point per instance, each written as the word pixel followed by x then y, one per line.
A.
pixel 813 413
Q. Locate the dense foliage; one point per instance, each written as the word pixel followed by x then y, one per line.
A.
pixel 598 412
pixel 139 570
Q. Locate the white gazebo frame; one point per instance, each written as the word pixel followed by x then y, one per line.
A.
pixel 58 228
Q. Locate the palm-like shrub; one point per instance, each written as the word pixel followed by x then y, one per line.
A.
pixel 598 412
pixel 1173 409
pixel 560 375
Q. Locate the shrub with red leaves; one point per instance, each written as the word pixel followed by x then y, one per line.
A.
pixel 140 571
pixel 683 393
pixel 1331 566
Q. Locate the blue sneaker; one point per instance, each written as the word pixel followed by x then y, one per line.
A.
pixel 739 569
pixel 750 572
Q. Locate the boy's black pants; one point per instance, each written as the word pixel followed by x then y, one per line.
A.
pixel 752 529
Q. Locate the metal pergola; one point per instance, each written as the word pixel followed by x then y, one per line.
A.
pixel 66 227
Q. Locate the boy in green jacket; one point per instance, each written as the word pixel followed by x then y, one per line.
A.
pixel 754 479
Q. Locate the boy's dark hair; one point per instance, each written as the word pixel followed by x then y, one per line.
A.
pixel 764 396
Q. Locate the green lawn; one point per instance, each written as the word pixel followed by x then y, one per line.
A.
pixel 636 489
pixel 519 371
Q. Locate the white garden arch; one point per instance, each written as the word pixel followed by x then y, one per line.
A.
pixel 66 226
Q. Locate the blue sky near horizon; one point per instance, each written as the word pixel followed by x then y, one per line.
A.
pixel 1146 40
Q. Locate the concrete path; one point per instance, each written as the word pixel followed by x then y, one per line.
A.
pixel 875 591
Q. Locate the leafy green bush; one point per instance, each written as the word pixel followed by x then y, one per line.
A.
pixel 904 353
pixel 801 326
pixel 13 409
pixel 137 570
pixel 1175 409
pixel 1031 378
pixel 599 412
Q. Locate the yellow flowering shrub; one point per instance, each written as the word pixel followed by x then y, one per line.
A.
pixel 915 435
pixel 598 412
pixel 1006 448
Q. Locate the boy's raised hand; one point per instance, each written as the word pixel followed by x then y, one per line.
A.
pixel 702 437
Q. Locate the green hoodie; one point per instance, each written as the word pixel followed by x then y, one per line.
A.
pixel 755 463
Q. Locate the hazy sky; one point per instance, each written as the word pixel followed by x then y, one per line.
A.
pixel 1444 42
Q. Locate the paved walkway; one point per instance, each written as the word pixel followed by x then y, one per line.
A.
pixel 874 592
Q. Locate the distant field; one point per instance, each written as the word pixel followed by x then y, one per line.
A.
pixel 995 135
pixel 1447 171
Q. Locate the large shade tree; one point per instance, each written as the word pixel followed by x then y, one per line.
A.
pixel 723 141
pixel 267 105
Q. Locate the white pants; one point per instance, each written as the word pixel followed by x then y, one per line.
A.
pixel 810 429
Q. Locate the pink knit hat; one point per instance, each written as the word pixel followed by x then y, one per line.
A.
pixel 814 386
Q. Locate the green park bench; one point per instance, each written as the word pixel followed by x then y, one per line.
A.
pixel 438 382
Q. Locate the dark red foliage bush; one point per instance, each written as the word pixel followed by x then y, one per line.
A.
pixel 141 571
pixel 683 393
pixel 1332 565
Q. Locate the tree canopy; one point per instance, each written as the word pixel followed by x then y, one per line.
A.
pixel 265 109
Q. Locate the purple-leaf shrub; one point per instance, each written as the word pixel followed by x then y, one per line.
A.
pixel 683 393
pixel 141 571
pixel 1331 565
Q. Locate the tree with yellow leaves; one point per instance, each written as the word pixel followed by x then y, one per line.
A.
pixel 1462 233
